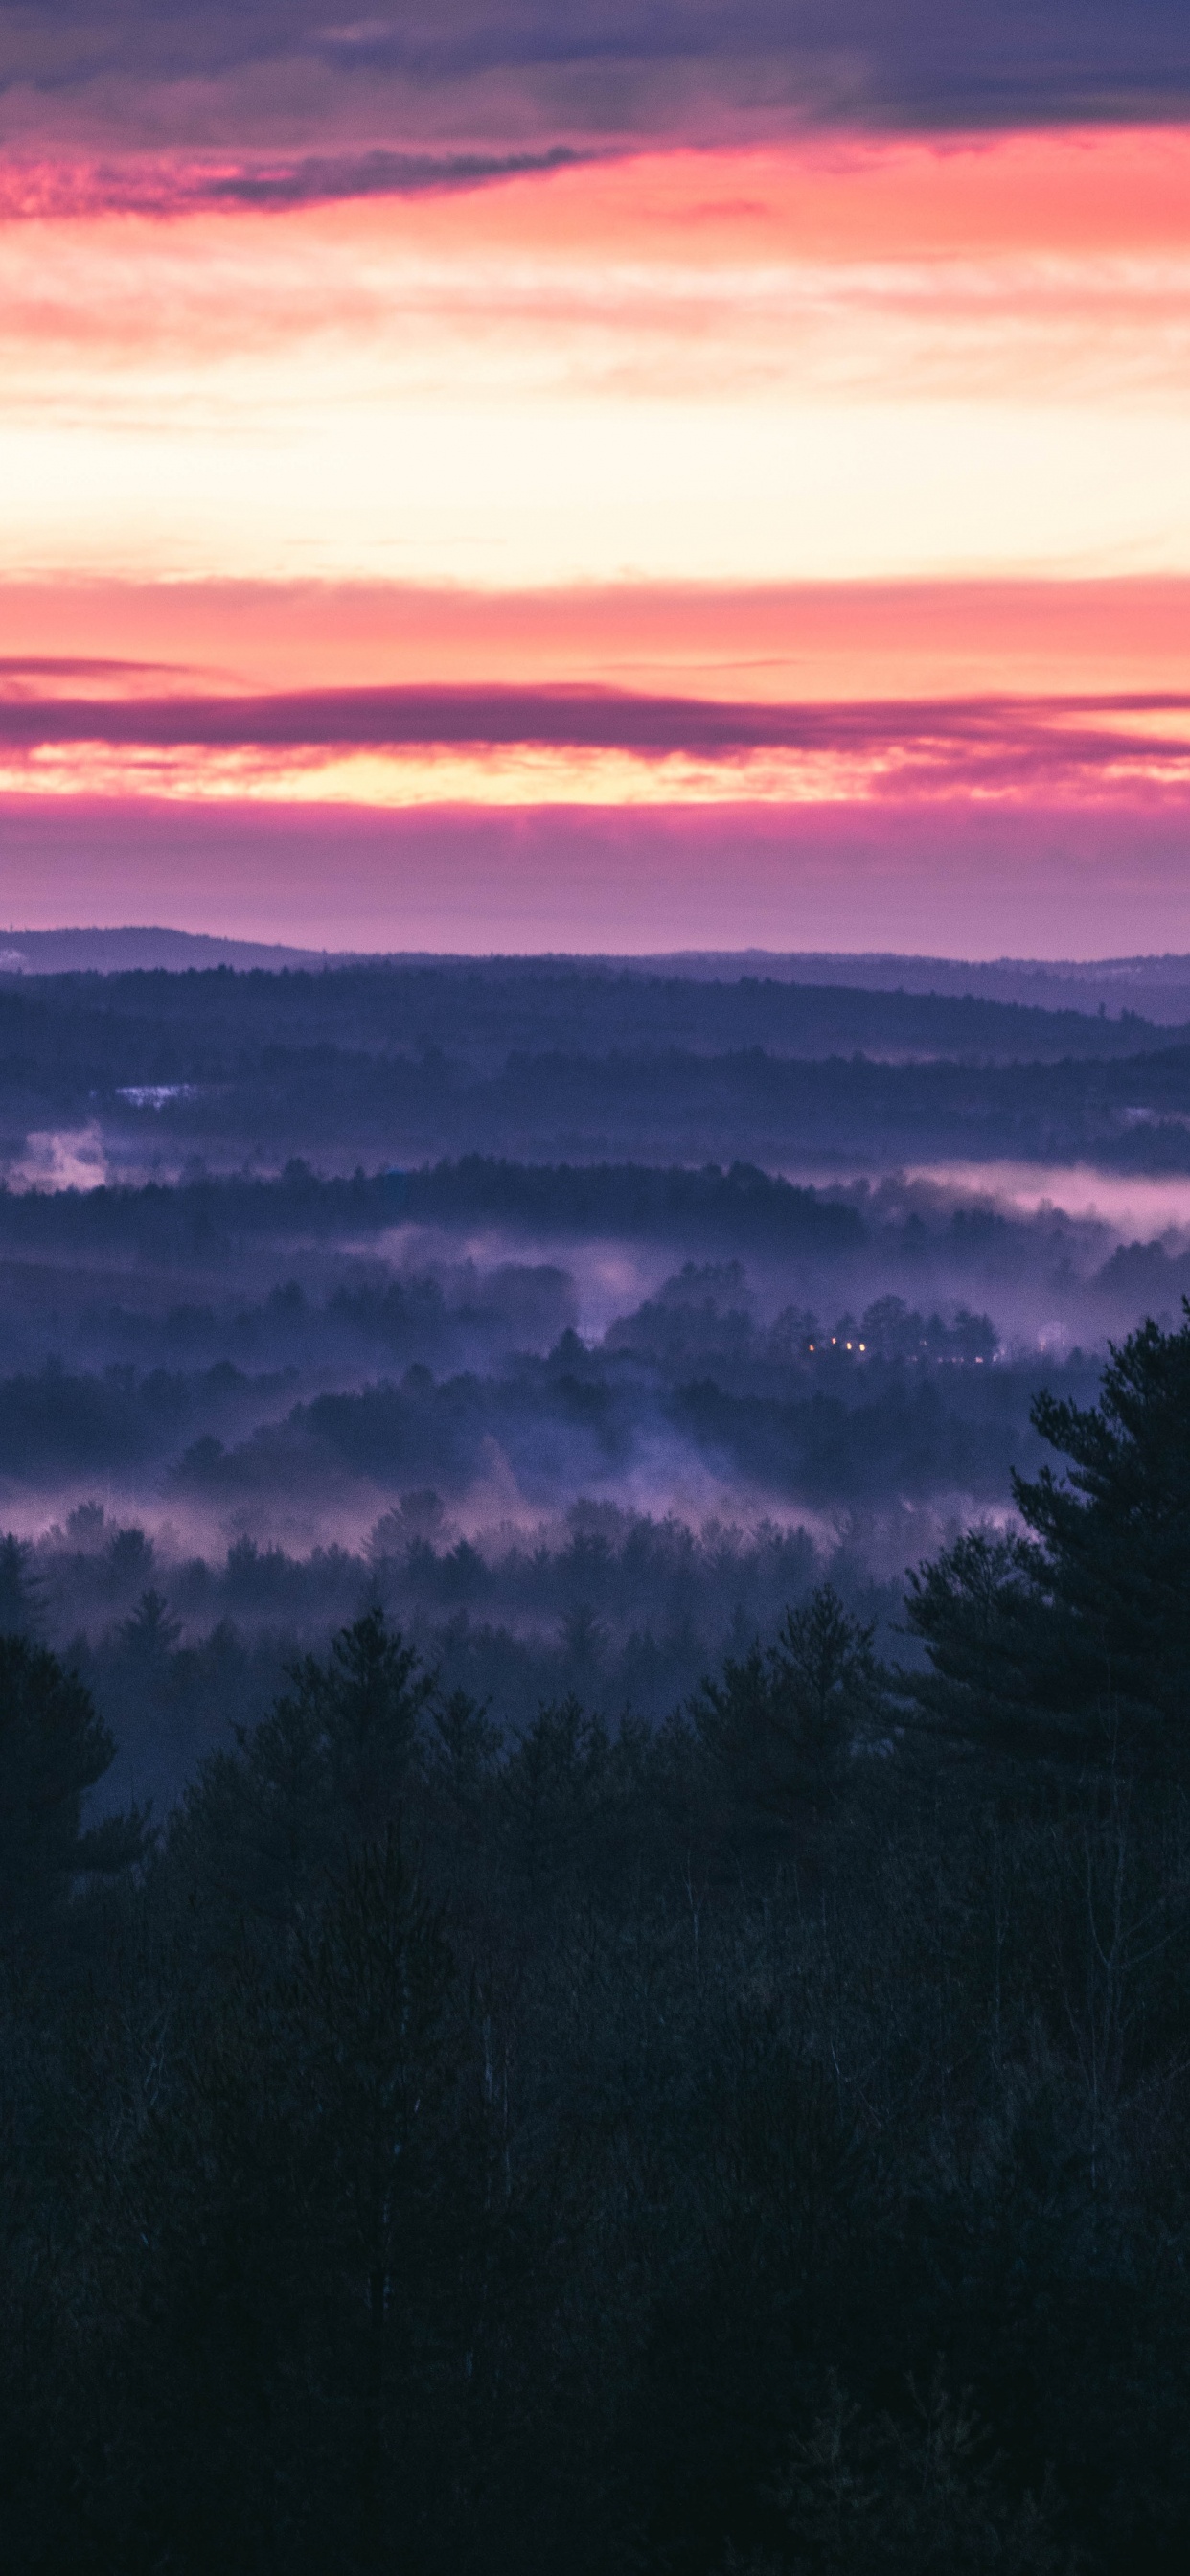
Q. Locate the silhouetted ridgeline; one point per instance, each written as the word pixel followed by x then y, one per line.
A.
pixel 742 1206
pixel 480 1010
pixel 1157 987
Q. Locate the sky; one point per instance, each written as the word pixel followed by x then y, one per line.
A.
pixel 647 477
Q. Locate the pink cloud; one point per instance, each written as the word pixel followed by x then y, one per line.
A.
pixel 989 745
pixel 813 642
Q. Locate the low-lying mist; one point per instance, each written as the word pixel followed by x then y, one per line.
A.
pixel 312 1360
pixel 582 1317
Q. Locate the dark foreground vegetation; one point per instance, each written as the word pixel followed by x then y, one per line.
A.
pixel 755 2143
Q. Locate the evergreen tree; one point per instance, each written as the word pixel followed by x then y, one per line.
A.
pixel 919 2494
pixel 781 1722
pixel 330 1765
pixel 1075 1639
pixel 19 1588
pixel 53 1748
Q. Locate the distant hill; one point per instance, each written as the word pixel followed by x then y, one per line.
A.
pixel 117 952
pixel 1158 988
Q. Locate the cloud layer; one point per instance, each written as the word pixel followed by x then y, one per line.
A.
pixel 989 745
pixel 270 101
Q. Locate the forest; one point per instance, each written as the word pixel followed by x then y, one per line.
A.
pixel 556 1061
pixel 594 1845
pixel 754 2142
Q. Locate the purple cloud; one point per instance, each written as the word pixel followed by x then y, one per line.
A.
pixel 151 186
pixel 275 102
pixel 996 740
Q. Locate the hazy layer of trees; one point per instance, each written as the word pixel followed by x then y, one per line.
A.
pixel 558 1062
pixel 262 1374
pixel 754 2142
pixel 627 1611
pixel 243 1340
pixel 241 1344
pixel 204 1229
pixel 799 1427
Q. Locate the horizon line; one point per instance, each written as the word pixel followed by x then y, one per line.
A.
pixel 1073 967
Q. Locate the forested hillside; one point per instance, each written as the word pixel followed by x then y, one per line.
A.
pixel 555 1061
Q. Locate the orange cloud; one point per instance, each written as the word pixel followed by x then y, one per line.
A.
pixel 809 641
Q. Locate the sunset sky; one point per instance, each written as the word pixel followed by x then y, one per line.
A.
pixel 628 478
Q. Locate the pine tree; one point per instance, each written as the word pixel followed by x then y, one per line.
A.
pixel 1075 1639
pixel 781 1722
pixel 53 1748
